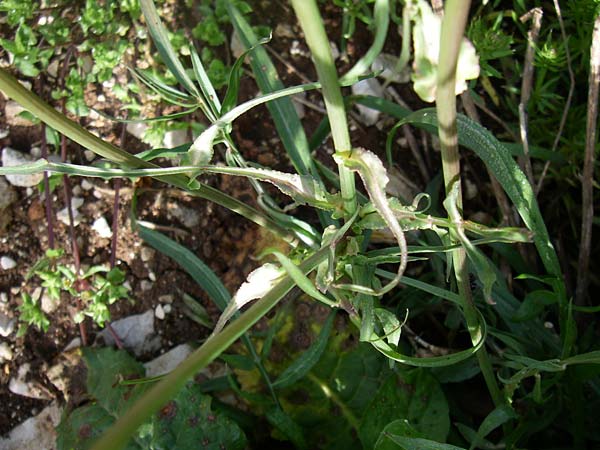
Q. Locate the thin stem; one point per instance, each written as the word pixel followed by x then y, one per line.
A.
pixel 318 43
pixel 453 26
pixel 120 433
pixel 48 196
pixel 587 202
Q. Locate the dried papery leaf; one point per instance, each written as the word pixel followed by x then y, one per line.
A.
pixel 257 284
pixel 374 177
pixel 426 39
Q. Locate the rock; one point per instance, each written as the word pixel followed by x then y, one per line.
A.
pixel 187 216
pixel 147 254
pixel 159 312
pixel 102 227
pixel 62 371
pixel 7 263
pixel 48 304
pixel 11 158
pixel 12 111
pixel 86 185
pixel 167 308
pixel 175 138
pixel 35 152
pixel 298 105
pixel 284 30
pixel 7 198
pixel 146 285
pixel 135 332
pixel 386 64
pixel 3 133
pixel 372 87
pixel 137 129
pixel 166 298
pixel 89 155
pixel 63 214
pixel 6 353
pixel 32 389
pixel 7 325
pixel 169 361
pixel 36 433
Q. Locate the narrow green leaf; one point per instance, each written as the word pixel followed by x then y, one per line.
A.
pixel 496 418
pixel 301 366
pixel 282 110
pixel 210 95
pixel 200 272
pixel 285 424
pixel 500 162
pixel 164 47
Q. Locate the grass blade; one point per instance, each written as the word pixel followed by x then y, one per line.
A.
pixel 164 47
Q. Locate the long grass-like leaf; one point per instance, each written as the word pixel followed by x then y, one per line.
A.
pixel 505 169
pixel 164 47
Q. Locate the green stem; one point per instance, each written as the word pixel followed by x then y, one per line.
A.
pixel 120 433
pixel 453 26
pixel 31 102
pixel 318 43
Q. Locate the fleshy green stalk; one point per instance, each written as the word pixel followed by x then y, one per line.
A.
pixel 318 43
pixel 453 27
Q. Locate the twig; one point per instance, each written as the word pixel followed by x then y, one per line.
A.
pixel 587 205
pixel 532 36
pixel 565 113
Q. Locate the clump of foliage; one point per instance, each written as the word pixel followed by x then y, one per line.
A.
pixel 97 288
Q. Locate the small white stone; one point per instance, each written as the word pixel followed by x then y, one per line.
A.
pixel 159 312
pixel 152 276
pixel 175 138
pixel 3 133
pixel 101 98
pixel 137 129
pixel 35 152
pixel 3 297
pixel 63 214
pixel 102 227
pixel 86 185
pixel 89 155
pixel 11 157
pixel 6 353
pixel 166 299
pixel 167 308
pixel 147 253
pixel 7 325
pixel 12 111
pixel 371 87
pixel 146 285
pixel 7 263
pixel 48 304
pixel 77 191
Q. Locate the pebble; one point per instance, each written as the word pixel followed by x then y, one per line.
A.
pixel 146 285
pixel 63 214
pixel 136 333
pixel 371 87
pixel 159 312
pixel 6 353
pixel 166 299
pixel 12 111
pixel 89 155
pixel 3 297
pixel 32 389
pixel 86 185
pixel 7 263
pixel 48 304
pixel 11 157
pixel 167 308
pixel 102 227
pixel 137 129
pixel 175 138
pixel 147 254
pixel 189 217
pixel 77 191
pixel 3 133
pixel 151 276
pixel 7 325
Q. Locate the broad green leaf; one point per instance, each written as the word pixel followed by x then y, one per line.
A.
pixel 399 427
pixel 106 368
pixel 412 395
pixel 80 428
pixel 188 421
pixel 534 304
pixel 500 162
pixel 164 47
pixel 392 327
pixel 301 366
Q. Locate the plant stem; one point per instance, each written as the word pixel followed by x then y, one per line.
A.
pixel 13 89
pixel 453 26
pixel 318 43
pixel 120 433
